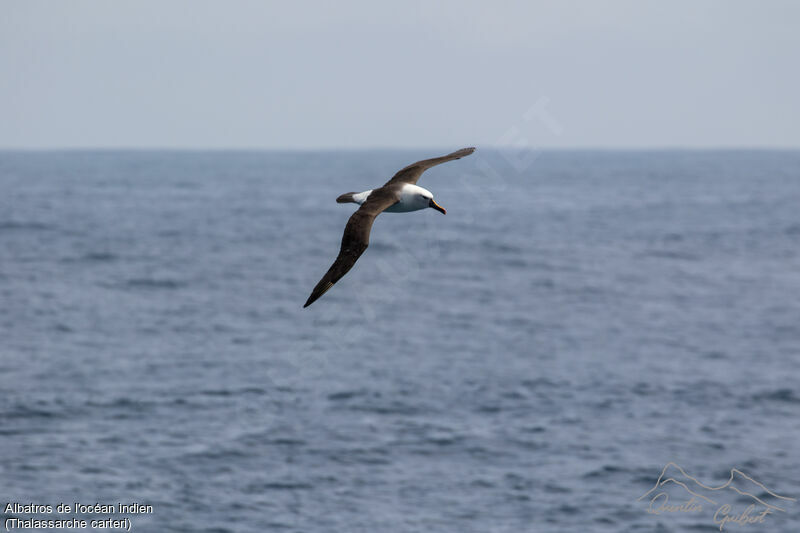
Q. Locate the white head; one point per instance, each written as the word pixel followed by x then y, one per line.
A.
pixel 422 198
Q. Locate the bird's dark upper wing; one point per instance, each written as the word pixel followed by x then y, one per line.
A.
pixel 355 239
pixel 412 172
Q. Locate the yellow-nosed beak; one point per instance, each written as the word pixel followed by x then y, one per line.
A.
pixel 436 206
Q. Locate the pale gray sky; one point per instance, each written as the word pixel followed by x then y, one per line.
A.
pixel 261 74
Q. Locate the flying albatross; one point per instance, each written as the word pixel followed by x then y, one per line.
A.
pixel 400 194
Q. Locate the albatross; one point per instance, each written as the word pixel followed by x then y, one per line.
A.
pixel 401 194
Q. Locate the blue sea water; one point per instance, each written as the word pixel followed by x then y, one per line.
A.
pixel 529 362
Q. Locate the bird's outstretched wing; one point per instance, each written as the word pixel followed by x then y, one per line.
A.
pixel 355 239
pixel 412 172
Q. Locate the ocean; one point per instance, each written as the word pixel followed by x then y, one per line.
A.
pixel 578 322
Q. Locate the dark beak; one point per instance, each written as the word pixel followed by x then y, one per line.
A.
pixel 436 206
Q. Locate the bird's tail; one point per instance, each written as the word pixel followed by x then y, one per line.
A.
pixel 347 198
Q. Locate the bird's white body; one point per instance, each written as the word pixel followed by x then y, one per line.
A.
pixel 412 198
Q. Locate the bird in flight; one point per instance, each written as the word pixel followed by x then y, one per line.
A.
pixel 400 194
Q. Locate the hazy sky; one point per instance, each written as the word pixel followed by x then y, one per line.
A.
pixel 260 74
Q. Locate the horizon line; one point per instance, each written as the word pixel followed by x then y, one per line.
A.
pixel 498 148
